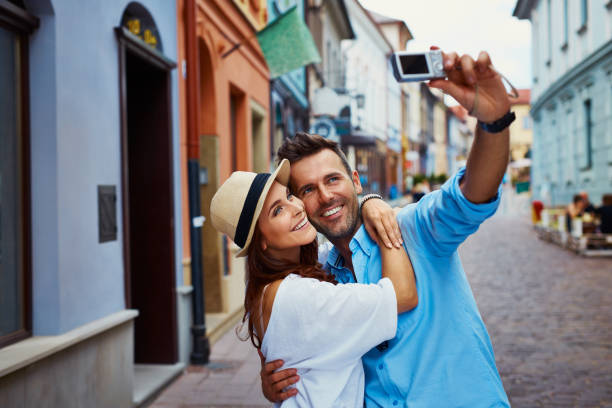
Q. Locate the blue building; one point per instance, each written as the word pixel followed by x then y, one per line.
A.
pixel 571 98
pixel 91 283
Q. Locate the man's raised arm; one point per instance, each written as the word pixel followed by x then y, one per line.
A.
pixel 479 88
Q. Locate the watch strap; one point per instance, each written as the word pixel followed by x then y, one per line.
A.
pixel 498 125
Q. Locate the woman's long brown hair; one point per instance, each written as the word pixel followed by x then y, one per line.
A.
pixel 262 270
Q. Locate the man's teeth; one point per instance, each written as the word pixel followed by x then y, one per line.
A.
pixel 301 224
pixel 332 211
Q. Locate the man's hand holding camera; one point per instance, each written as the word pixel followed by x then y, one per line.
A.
pixel 478 87
pixel 475 84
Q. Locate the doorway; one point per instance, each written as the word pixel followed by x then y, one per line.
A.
pixel 148 215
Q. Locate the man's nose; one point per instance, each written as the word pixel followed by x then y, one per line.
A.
pixel 325 195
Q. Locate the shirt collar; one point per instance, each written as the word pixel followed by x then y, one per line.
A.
pixel 334 258
pixel 360 240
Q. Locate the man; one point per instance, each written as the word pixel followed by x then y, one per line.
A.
pixel 442 355
pixel 588 207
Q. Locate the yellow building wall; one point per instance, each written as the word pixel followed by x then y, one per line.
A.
pixel 256 11
pixel 441 161
pixel 521 132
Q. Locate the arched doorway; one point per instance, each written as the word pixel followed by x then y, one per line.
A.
pixel 147 186
pixel 212 248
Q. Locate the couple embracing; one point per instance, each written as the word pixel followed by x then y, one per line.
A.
pixel 385 317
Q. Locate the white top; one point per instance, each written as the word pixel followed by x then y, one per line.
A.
pixel 323 330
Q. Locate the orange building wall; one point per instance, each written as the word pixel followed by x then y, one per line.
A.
pixel 242 72
pixel 186 256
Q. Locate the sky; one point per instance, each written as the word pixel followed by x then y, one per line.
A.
pixel 467 27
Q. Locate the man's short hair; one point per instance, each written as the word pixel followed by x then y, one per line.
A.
pixel 306 144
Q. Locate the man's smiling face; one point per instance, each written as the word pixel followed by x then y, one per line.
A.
pixel 328 192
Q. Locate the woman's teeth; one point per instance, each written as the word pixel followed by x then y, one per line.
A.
pixel 301 224
pixel 332 211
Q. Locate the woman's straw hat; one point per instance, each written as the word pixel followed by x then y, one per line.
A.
pixel 235 208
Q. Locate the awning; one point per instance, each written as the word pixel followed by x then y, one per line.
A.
pixel 287 44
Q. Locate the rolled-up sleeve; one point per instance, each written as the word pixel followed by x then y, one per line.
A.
pixel 330 325
pixel 445 218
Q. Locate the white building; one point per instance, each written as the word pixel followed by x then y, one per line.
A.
pixel 397 34
pixel 375 116
pixel 571 97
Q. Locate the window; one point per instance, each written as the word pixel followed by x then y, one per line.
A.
pixel 15 25
pixel 234 130
pixel 588 131
pixel 565 26
pixel 549 30
pixel 584 16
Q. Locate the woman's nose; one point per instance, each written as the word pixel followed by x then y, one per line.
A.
pixel 297 208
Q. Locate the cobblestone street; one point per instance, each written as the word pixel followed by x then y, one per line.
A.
pixel 548 311
pixel 549 314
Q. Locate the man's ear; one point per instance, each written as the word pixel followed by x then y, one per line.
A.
pixel 357 182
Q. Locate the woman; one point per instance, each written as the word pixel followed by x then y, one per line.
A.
pixel 294 310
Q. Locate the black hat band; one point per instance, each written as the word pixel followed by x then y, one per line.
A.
pixel 248 208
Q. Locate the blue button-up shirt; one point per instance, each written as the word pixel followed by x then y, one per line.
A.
pixel 441 355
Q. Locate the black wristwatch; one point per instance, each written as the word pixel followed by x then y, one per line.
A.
pixel 498 125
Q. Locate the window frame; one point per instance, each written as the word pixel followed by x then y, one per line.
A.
pixel 564 45
pixel 22 24
pixel 584 16
pixel 549 32
pixel 588 133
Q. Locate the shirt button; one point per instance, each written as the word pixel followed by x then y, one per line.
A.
pixel 394 402
pixel 380 366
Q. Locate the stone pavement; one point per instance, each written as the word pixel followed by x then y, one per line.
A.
pixel 230 380
pixel 548 311
pixel 549 314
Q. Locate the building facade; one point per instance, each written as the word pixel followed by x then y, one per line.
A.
pixel 288 93
pixel 91 186
pixel 366 66
pixel 397 34
pixel 329 24
pixel 460 138
pixel 426 144
pixel 571 98
pixel 440 143
pixel 411 138
pixel 226 116
pixel 521 130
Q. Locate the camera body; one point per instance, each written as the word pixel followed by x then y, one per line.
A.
pixel 417 66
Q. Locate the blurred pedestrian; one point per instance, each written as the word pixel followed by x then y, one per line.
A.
pixel 536 211
pixel 588 207
pixel 574 210
pixel 605 214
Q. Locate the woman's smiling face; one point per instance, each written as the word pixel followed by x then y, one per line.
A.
pixel 283 224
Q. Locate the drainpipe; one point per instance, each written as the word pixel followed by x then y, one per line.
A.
pixel 201 345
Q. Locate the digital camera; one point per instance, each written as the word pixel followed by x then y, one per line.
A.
pixel 417 66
